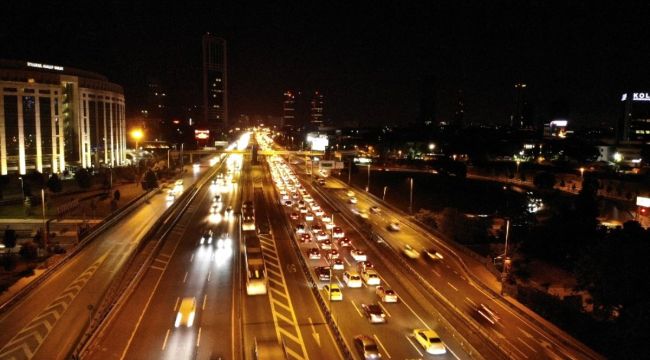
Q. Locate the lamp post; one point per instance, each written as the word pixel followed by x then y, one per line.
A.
pixel 44 221
pixel 350 171
pixel 504 274
pixel 22 187
pixel 582 172
pixel 383 198
pixel 136 135
pixel 168 158
pixel 411 197
pixel 368 184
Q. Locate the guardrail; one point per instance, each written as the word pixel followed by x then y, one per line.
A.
pixel 312 284
pixel 448 244
pixel 118 292
pixel 87 238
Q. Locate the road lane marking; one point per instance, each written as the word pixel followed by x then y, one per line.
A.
pixel 525 333
pixel 526 344
pixel 416 315
pixel 356 308
pixel 192 258
pixel 165 341
pixel 437 273
pixel 176 303
pixel 185 277
pixel 339 281
pixel 209 273
pixel 314 333
pixel 470 301
pixel 516 348
pixel 383 308
pixel 382 345
pixel 205 299
pixel 157 268
pixel 198 338
pixel 415 347
pixel 452 286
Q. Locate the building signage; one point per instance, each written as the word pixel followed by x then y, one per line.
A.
pixel 642 201
pixel 641 96
pixel 201 134
pixel 45 66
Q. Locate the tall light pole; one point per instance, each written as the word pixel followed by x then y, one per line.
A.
pixel 168 158
pixel 504 274
pixel 368 184
pixel 22 187
pixel 411 198
pixel 44 222
pixel 350 171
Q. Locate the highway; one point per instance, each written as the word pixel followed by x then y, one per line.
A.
pixel 49 321
pixel 145 326
pixel 516 336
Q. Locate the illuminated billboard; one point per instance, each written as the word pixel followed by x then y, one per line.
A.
pixel 318 142
pixel 201 134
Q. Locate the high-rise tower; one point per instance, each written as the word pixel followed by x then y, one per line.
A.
pixel 215 84
pixel 316 109
pixel 289 108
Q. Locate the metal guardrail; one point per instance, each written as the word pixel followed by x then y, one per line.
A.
pixel 87 238
pixel 117 294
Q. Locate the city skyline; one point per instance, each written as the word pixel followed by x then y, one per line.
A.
pixel 577 53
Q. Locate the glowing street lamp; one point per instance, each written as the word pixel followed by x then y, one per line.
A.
pixel 432 146
pixel 582 172
pixel 137 134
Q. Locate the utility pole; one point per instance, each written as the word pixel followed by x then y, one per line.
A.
pixel 504 274
pixel 350 172
pixel 411 198
pixel 44 221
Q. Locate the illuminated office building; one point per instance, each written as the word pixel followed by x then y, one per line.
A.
pixel 54 117
pixel 215 84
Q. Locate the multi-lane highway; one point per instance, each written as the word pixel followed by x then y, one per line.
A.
pixel 50 320
pixel 513 334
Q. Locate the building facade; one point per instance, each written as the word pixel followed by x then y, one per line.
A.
pixel 635 122
pixel 215 84
pixel 316 109
pixel 289 108
pixel 54 117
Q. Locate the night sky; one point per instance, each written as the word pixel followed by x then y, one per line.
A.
pixel 367 58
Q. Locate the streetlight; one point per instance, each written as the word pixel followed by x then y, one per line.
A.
pixel 22 187
pixel 431 147
pixel 582 172
pixel 368 184
pixel 137 134
pixel 44 222
pixel 411 198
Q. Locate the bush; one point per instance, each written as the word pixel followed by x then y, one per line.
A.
pixel 29 251
pixel 83 178
pixel 54 184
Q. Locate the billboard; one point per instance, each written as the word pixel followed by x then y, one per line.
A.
pixel 318 142
pixel 201 134
pixel 642 201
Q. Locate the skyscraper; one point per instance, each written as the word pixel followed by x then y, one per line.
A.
pixel 316 110
pixel 427 110
pixel 521 117
pixel 215 84
pixel 289 108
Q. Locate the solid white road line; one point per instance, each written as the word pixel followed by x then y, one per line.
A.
pixel 198 338
pixel 416 315
pixel 356 308
pixel 205 299
pixel 185 277
pixel 192 258
pixel 414 346
pixel 470 301
pixel 382 345
pixel 383 308
pixel 165 341
pixel 209 273
pixel 176 304
pixel 452 286
pixel 526 344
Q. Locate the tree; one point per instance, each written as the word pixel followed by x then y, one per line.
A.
pixel 54 183
pixel 29 251
pixel 544 180
pixel 83 178
pixel 150 180
pixel 9 239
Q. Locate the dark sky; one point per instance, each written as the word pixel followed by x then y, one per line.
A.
pixel 367 58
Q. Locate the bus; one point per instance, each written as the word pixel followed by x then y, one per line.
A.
pixel 255 269
pixel 248 216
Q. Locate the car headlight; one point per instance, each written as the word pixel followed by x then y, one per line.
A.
pixel 178 319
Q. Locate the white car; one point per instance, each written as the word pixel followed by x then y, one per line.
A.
pixel 338 264
pixel 350 193
pixel 386 295
pixel 352 279
pixel 319 212
pixel 326 219
pixel 375 209
pixel 353 200
pixel 170 196
pixel 332 254
pixel 371 278
pixel 410 252
pixel 326 245
pixel 309 217
pixel 394 226
pixel 313 253
pixel 337 233
pixel 358 255
pixel 300 229
pixel 322 235
pixel 433 254
pixel 330 225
